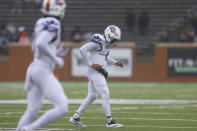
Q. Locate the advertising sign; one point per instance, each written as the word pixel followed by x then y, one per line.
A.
pixel 79 67
pixel 182 62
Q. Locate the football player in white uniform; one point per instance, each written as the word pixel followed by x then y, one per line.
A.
pixel 98 47
pixel 40 80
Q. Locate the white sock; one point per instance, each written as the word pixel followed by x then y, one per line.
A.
pixel 109 119
pixel 76 115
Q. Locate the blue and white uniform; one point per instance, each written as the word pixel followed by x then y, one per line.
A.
pixel 99 50
pixel 40 79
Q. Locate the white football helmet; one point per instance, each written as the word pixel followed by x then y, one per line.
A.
pixel 112 33
pixel 54 8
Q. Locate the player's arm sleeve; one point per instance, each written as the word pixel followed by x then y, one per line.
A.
pixel 110 60
pixel 86 48
pixel 43 41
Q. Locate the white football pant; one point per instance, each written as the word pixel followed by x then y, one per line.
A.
pixel 97 85
pixel 40 83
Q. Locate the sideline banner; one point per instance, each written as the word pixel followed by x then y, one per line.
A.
pixel 182 62
pixel 79 67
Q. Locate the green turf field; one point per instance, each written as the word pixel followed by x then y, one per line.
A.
pixel 134 117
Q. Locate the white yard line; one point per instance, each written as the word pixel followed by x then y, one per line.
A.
pixel 140 126
pixel 112 101
pixel 93 112
pixel 118 118
pixel 43 129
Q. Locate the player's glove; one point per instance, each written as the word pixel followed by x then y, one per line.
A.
pixel 60 62
pixel 103 72
pixel 62 52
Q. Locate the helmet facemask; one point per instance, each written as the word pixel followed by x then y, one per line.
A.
pixel 113 42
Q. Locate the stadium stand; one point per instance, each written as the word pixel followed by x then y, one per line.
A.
pixel 94 16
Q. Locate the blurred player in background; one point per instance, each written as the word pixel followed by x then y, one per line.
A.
pixel 40 80
pixel 98 47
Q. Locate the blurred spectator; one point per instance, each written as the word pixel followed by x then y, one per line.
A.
pixel 143 22
pixel 12 33
pixel 189 30
pixel 2 26
pixel 182 37
pixel 11 28
pixel 130 20
pixel 3 39
pixel 9 33
pixel 76 35
pixel 194 25
pixel 186 34
pixel 23 35
pixel 3 36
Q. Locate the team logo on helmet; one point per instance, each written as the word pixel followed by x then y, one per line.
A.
pixel 113 29
pixel 58 2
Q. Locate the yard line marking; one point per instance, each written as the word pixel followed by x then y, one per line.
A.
pixel 147 126
pixel 159 113
pixel 112 101
pixel 140 126
pixel 93 112
pixel 140 119
pixel 101 112
pixel 118 118
pixel 135 107
pixel 172 107
pixel 44 129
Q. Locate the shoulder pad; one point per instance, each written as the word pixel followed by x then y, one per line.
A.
pixel 50 24
pixel 98 38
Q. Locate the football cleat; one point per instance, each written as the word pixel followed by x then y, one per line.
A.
pixel 76 121
pixel 113 124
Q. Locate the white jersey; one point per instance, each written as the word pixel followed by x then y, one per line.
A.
pixel 52 28
pixel 99 51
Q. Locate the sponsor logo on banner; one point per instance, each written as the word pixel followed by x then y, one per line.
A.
pixel 79 67
pixel 182 62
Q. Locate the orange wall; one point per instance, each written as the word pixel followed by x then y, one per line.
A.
pixel 20 56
